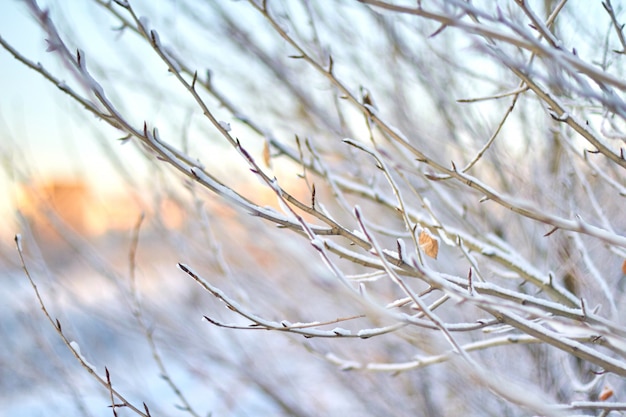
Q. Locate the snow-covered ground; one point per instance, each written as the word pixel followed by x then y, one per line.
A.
pixel 219 371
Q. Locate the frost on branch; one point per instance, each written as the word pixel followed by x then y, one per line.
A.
pixel 428 190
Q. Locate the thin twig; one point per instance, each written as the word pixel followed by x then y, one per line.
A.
pixel 57 327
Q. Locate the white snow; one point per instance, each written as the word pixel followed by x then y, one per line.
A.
pixel 225 125
pixel 359 234
pixel 318 243
pixel 341 331
pixel 144 24
pixel 488 251
pixel 172 58
pixel 74 345
pixel 366 333
pixel 445 238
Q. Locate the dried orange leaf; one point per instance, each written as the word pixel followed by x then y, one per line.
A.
pixel 266 153
pixel 429 244
pixel 624 267
pixel 607 392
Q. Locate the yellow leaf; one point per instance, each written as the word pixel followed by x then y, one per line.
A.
pixel 429 244
pixel 266 154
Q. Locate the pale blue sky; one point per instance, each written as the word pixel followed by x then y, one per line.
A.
pixel 39 122
pixel 28 103
pixel 46 128
pixel 29 111
pixel 43 123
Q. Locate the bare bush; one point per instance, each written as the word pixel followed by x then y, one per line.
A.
pixel 427 197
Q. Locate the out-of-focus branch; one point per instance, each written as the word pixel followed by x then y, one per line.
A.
pixel 519 207
pixel 619 28
pixel 73 346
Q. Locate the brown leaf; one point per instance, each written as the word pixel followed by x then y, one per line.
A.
pixel 429 244
pixel 607 392
pixel 624 267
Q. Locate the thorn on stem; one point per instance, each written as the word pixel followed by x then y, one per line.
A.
pixel 122 3
pixel 245 153
pixel 554 229
pixel 438 31
pixel 583 307
pixel 18 242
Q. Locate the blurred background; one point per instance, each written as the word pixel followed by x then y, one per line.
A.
pixel 103 226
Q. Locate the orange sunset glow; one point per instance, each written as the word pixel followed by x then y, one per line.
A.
pixel 56 203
